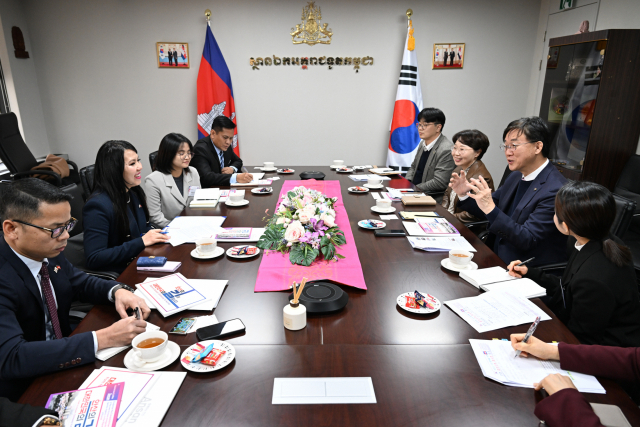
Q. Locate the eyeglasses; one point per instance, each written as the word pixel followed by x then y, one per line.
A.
pixel 420 125
pixel 187 154
pixel 56 232
pixel 460 149
pixel 514 147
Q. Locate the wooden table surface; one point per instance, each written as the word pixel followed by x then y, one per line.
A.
pixel 422 366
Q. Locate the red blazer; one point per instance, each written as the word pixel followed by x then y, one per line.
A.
pixel 568 407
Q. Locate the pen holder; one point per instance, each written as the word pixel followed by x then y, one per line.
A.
pixel 294 316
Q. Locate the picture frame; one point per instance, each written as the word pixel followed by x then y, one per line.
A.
pixel 440 61
pixel 166 60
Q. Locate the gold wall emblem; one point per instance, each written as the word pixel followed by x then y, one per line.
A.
pixel 311 31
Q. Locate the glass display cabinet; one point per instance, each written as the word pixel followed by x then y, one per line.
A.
pixel 591 103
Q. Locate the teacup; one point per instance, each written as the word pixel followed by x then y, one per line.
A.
pixel 338 162
pixel 236 197
pixel 374 181
pixel 142 356
pixel 206 245
pixel 383 203
pixel 460 257
pixel 268 165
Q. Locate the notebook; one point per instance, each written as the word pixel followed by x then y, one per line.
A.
pixel 485 276
pixel 497 279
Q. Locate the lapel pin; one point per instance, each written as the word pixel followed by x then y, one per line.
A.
pixel 56 268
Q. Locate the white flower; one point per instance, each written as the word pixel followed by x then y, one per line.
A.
pixel 294 232
pixel 303 216
pixel 281 220
pixel 329 221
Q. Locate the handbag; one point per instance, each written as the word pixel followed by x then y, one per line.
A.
pixel 418 200
pixel 151 261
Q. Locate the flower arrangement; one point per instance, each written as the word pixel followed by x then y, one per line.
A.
pixel 304 226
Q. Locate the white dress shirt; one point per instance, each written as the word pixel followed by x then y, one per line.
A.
pixel 35 267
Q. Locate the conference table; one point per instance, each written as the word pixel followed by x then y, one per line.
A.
pixel 423 369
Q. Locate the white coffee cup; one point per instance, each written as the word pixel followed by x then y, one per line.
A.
pixel 460 257
pixel 206 245
pixel 374 181
pixel 383 203
pixel 142 356
pixel 338 162
pixel 236 197
pixel 268 165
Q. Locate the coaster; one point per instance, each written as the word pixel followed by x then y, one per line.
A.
pixel 452 267
pixel 170 354
pixel 226 359
pixel 215 254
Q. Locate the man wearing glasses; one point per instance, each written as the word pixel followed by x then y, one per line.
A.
pixel 37 286
pixel 521 212
pixel 431 169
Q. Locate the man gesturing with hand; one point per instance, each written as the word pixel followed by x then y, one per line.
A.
pixel 38 284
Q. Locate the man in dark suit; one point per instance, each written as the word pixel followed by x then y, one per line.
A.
pixel 446 56
pixel 37 286
pixel 214 158
pixel 520 213
pixel 175 57
pixel 170 54
pixel 18 415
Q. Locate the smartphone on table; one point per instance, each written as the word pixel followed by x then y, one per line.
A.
pixel 219 330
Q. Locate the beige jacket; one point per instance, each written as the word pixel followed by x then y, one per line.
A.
pixel 163 197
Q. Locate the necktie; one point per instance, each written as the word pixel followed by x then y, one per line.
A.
pixel 221 161
pixel 51 302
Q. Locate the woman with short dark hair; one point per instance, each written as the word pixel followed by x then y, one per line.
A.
pixel 468 148
pixel 168 187
pixel 116 217
pixel 597 296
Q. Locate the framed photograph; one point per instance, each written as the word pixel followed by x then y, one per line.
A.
pixel 172 55
pixel 552 58
pixel 447 56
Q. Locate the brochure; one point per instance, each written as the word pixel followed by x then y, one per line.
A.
pixel 172 294
pixel 96 406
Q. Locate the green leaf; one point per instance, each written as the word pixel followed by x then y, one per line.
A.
pixel 271 238
pixel 340 256
pixel 328 251
pixel 310 255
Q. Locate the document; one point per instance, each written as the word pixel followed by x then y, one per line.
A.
pixel 187 229
pixel 234 233
pixel 254 183
pixel 376 196
pixel 436 226
pixel 413 228
pixel 440 243
pixel 484 276
pixel 96 406
pixel 393 194
pixel 323 390
pixel 154 405
pixel 391 216
pixel 210 288
pixel 498 362
pixel 496 310
pixel 414 215
pixel 136 386
pixel 524 287
pixel 171 294
pixel 108 353
pixel 365 178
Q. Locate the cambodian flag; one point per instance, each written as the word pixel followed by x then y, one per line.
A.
pixel 404 137
pixel 215 92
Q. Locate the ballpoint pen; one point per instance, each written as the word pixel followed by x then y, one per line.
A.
pixel 530 332
pixel 524 262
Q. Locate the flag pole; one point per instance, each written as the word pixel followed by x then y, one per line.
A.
pixel 207 13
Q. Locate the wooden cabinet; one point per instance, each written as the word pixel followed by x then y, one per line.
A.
pixel 591 103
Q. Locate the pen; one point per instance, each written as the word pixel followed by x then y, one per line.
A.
pixel 524 262
pixel 164 230
pixel 530 332
pixel 136 312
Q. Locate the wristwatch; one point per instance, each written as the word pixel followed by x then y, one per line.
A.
pixel 112 294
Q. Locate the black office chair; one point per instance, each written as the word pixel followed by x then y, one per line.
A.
pixel 15 154
pixel 628 184
pixel 86 177
pixel 152 160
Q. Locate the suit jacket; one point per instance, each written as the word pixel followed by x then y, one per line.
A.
pixel 19 415
pixel 530 230
pixel 170 54
pixel 601 301
pixel 101 244
pixel 477 169
pixel 163 196
pixel 568 407
pixel 24 351
pixel 207 162
pixel 437 171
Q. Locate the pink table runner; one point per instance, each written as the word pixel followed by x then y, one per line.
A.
pixel 276 273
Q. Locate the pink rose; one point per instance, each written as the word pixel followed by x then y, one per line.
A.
pixel 303 216
pixel 329 221
pixel 294 232
pixel 281 220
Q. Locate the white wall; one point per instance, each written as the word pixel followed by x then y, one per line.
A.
pixel 99 79
pixel 21 80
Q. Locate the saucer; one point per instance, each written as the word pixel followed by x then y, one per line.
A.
pixel 337 166
pixel 242 256
pixel 347 170
pixel 242 203
pixel 257 190
pixel 273 169
pixel 284 171
pixel 170 354
pixel 450 266
pixel 380 210
pixel 402 301
pixel 216 253
pixel 225 360
pixel 365 224
pixel 373 186
pixel 353 190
